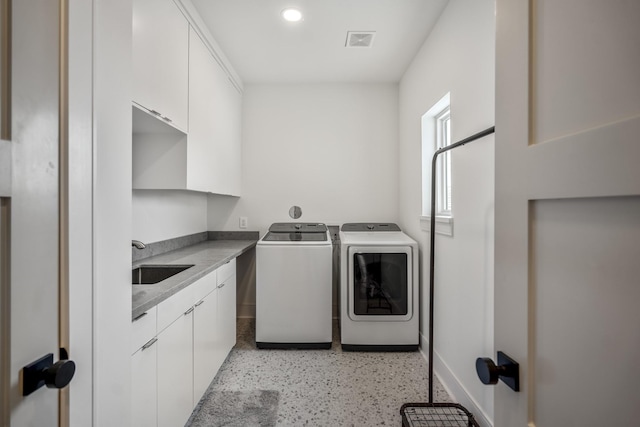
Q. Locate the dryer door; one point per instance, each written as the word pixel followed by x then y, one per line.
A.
pixel 380 283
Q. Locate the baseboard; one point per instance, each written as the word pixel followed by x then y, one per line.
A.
pixel 246 311
pixel 453 386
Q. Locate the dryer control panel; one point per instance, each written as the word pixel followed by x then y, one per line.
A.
pixel 370 226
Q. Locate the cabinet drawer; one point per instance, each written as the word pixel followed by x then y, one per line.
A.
pixel 204 286
pixel 227 270
pixel 174 307
pixel 143 329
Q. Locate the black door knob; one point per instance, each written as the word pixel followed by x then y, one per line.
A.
pixel 507 370
pixel 59 374
pixel 487 371
pixel 44 372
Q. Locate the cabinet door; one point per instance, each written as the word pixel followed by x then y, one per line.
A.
pixel 227 315
pixel 161 59
pixel 175 372
pixel 214 124
pixel 204 344
pixel 230 119
pixel 144 386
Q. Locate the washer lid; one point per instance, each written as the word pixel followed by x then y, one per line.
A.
pixel 370 226
pixel 300 227
pixel 295 237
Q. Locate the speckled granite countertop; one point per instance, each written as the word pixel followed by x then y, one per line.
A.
pixel 206 257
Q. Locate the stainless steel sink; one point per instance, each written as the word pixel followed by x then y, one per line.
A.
pixel 151 274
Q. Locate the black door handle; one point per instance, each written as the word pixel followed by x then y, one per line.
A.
pixel 44 372
pixel 507 370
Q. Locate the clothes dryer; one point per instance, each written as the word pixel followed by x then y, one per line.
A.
pixel 379 279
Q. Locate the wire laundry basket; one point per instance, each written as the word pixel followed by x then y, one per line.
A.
pixel 438 414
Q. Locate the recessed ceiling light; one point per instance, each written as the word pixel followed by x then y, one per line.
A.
pixel 292 15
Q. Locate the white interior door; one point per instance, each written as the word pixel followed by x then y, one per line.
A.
pixel 31 256
pixel 568 211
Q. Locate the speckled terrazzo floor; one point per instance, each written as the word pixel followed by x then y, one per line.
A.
pixel 321 387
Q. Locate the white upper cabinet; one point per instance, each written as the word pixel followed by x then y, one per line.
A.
pixel 214 124
pixel 160 60
pixel 198 151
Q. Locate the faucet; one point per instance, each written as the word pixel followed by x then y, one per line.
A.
pixel 138 244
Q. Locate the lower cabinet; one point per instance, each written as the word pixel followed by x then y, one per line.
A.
pixel 204 344
pixel 186 340
pixel 144 385
pixel 175 372
pixel 226 320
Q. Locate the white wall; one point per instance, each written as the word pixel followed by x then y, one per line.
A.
pixel 164 214
pixel 458 57
pixel 112 213
pixel 329 148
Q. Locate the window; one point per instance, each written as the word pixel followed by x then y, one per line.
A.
pixel 436 134
pixel 443 173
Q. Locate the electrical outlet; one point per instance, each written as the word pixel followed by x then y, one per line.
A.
pixel 243 222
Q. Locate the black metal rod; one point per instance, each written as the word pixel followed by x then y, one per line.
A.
pixel 432 245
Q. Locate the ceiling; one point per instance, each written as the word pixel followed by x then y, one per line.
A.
pixel 263 48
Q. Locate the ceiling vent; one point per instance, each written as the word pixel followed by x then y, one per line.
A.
pixel 360 38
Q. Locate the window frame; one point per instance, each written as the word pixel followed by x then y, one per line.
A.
pixel 436 134
pixel 443 167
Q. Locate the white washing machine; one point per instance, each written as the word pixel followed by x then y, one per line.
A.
pixel 379 280
pixel 293 287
